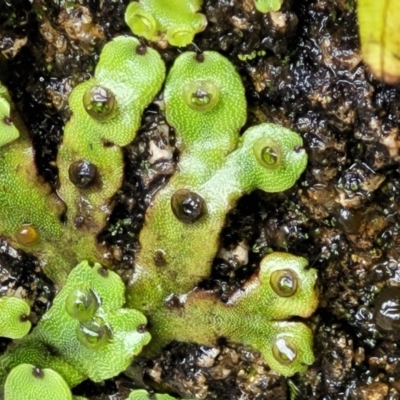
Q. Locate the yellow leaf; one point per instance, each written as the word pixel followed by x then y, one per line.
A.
pixel 379 24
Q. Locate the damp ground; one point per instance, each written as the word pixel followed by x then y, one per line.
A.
pixel 301 68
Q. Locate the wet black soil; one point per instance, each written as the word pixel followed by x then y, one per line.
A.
pixel 302 69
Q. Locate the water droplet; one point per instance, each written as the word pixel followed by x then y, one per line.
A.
pixel 269 156
pixel 94 334
pixel 284 351
pixel 284 282
pixel 99 102
pixel 82 304
pixel 267 152
pixel 201 95
pixel 387 309
pixel 349 220
pixel 27 235
pixel 187 206
pixel 82 173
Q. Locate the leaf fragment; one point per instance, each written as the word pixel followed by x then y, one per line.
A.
pixel 379 29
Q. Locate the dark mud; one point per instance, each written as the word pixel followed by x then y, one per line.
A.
pixel 302 69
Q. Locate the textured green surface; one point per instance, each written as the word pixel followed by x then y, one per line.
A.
pixel 142 394
pixel 21 188
pixel 219 166
pixel 241 173
pixel 172 21
pixel 254 315
pixel 12 309
pixel 134 77
pixel 23 384
pixel 265 6
pixel 205 104
pixel 8 131
pixel 54 342
pixel 25 198
pixel 204 139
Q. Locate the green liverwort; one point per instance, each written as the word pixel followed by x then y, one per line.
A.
pixel 203 100
pixel 29 382
pixel 104 322
pixel 141 394
pixel 173 21
pixel 79 340
pixel 14 314
pixel 265 6
pixel 107 111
